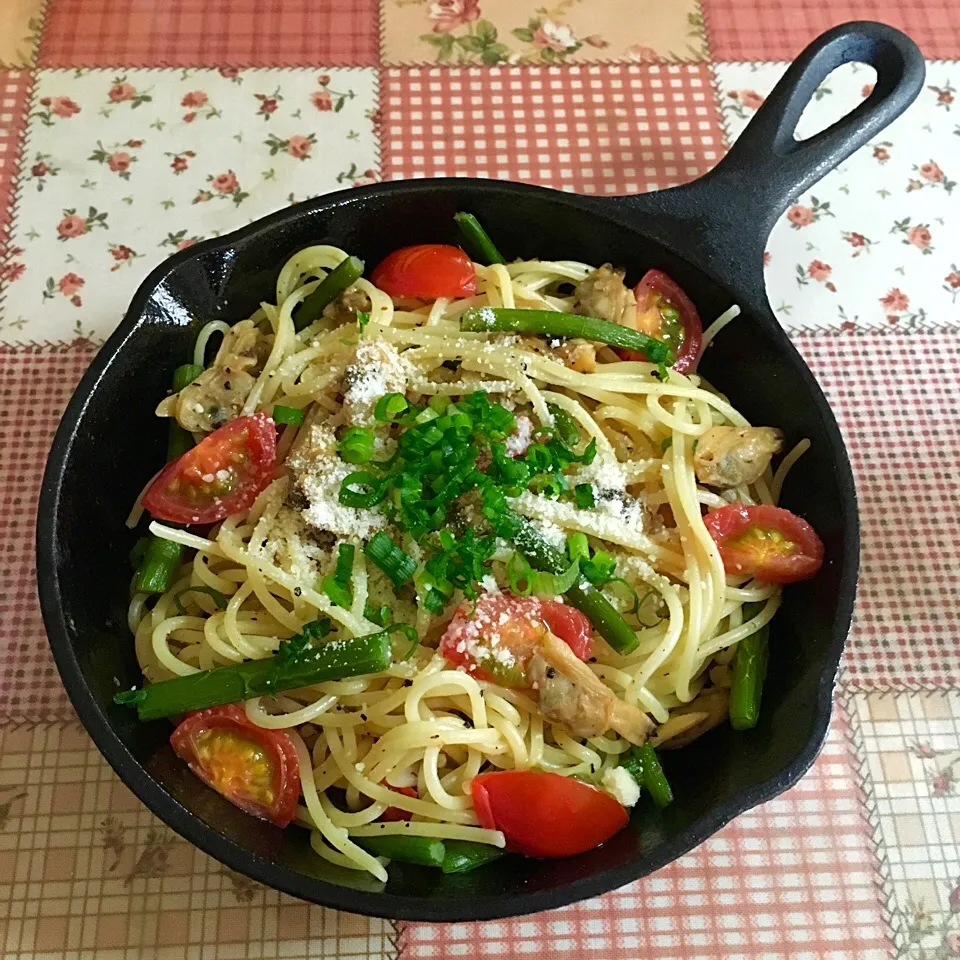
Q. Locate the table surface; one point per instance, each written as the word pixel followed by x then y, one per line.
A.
pixel 132 128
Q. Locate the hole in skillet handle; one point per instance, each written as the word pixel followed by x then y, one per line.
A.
pixel 767 167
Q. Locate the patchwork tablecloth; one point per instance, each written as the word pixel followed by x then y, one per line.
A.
pixel 133 128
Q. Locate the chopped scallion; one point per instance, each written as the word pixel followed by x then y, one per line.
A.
pixel 289 416
pixel 356 445
pixel 396 564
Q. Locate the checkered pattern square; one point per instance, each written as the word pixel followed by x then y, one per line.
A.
pixel 898 409
pixel 791 879
pixel 185 33
pixel 88 873
pixel 755 30
pixel 14 92
pixel 596 129
pixel 910 761
pixel 35 385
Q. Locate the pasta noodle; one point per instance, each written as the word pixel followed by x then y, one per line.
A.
pixel 422 722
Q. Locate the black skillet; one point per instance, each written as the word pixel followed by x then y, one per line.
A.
pixel 709 236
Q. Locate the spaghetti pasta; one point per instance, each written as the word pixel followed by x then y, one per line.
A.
pixel 414 736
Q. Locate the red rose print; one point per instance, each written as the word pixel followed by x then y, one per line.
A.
pixel 119 162
pixel 121 252
pixel 12 271
pixel 749 98
pixel 941 783
pixel 323 80
pixel 194 99
pixel 189 117
pixel 800 216
pixel 322 100
pixel 896 300
pixel 944 96
pixel 924 751
pixel 767 257
pixel 447 15
pixel 76 301
pixel 867 90
pixel 45 101
pixel 930 171
pixel 856 239
pixel 229 72
pixel 226 182
pixel 953 944
pixel 819 270
pixel 39 169
pixel 641 54
pixel 953 279
pixel 881 154
pixel 134 144
pixel 848 326
pixel 203 196
pixel 179 164
pixel 72 226
pixel 919 236
pixel 70 284
pixel 299 147
pixel 121 91
pixel 955 899
pixel 186 242
pixel 268 105
pixel 595 40
pixel 63 106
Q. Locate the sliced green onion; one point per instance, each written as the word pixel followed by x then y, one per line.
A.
pixel 578 547
pixel 381 615
pixel 356 445
pixel 185 375
pixel 343 275
pixel 478 239
pixel 552 323
pixel 338 593
pixel 654 778
pixel 389 407
pixel 363 318
pixel 344 568
pixel 218 598
pixel 299 663
pixel 584 497
pixel 397 565
pixel 160 564
pixel 439 403
pixel 289 416
pixel 465 855
pixel 566 427
pixel 600 568
pixel 749 673
pixel 554 584
pixel 631 762
pixel 423 851
pixel 519 575
pixel 353 494
pixel 410 635
pixel 635 609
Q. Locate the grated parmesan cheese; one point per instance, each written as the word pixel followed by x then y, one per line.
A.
pixel 378 369
pixel 520 439
pixel 319 473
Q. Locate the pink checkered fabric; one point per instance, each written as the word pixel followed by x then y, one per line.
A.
pixel 588 129
pixel 14 90
pixel 35 384
pixel 791 879
pixel 897 400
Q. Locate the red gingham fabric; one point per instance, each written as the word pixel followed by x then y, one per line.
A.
pixel 896 400
pixel 35 384
pixel 756 30
pixel 587 129
pixel 190 33
pixel 14 87
pixel 791 879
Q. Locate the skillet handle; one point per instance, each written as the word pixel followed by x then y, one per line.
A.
pixel 768 167
pixel 723 220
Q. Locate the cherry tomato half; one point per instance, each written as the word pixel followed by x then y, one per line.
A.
pixel 427 271
pixel 495 640
pixel 254 768
pixel 222 475
pixel 393 814
pixel 664 311
pixel 545 815
pixel 765 542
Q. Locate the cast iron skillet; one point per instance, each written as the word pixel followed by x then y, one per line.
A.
pixel 709 236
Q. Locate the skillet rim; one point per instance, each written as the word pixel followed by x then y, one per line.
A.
pixel 383 904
